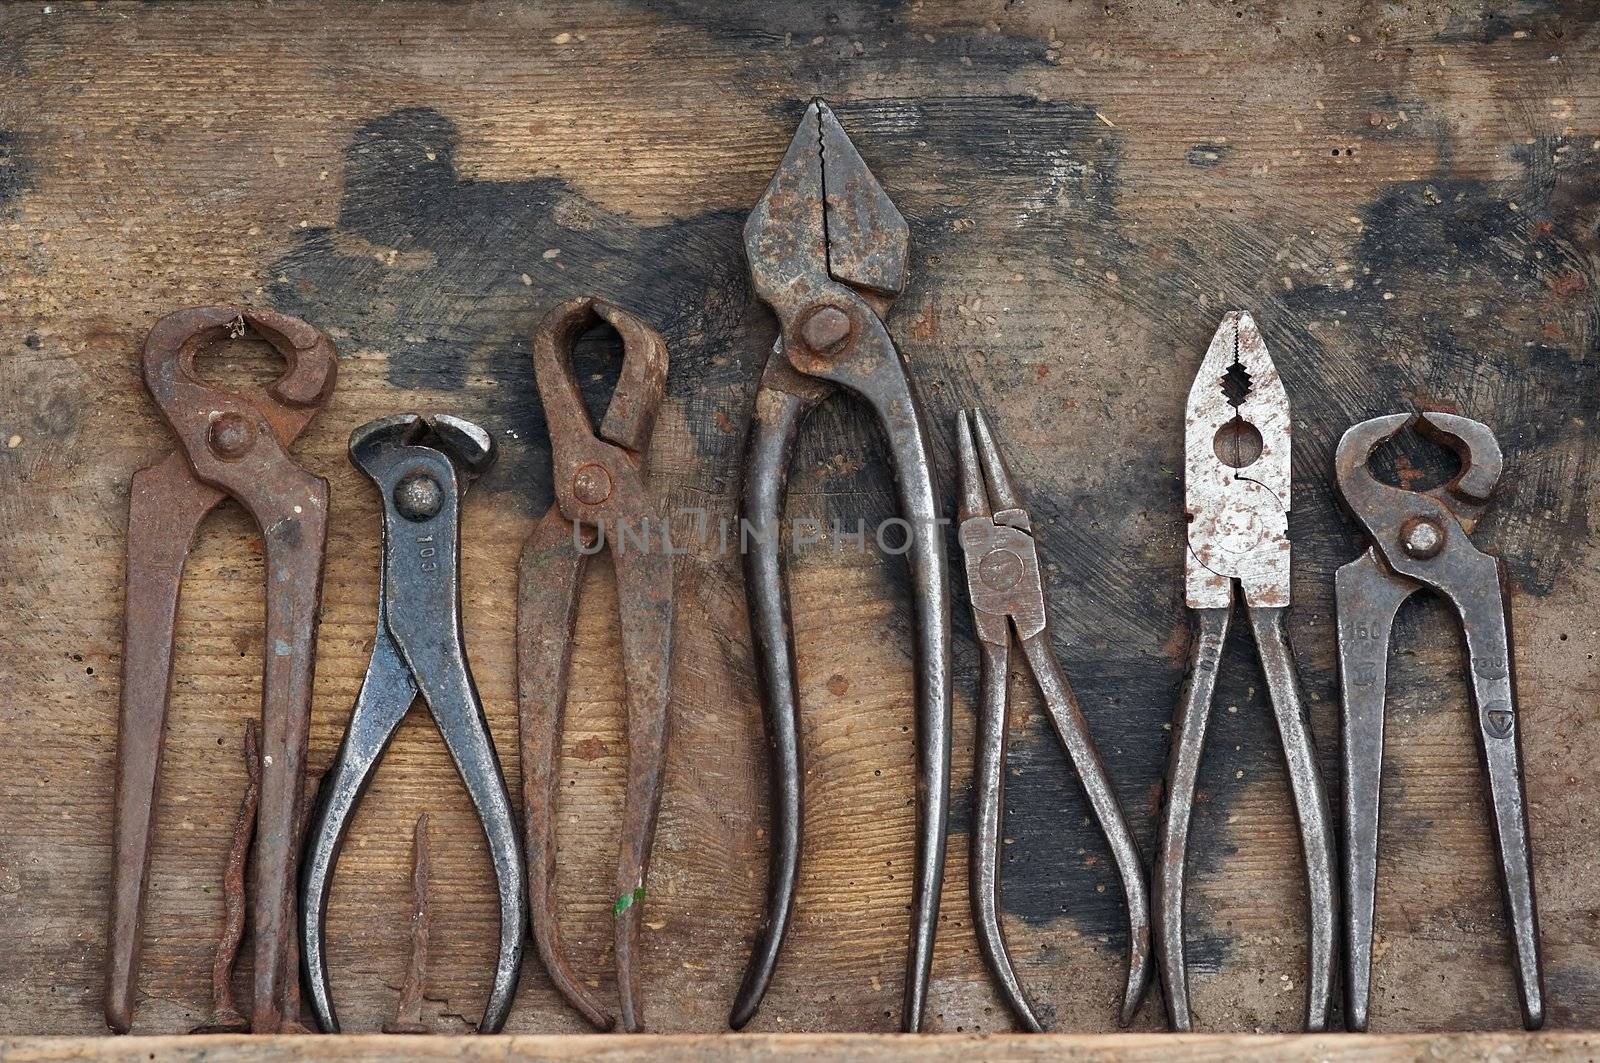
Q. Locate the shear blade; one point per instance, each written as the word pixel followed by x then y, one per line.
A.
pixel 824 215
pixel 868 240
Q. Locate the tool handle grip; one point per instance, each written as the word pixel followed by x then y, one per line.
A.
pixel 769 450
pixel 1183 772
pixel 1487 626
pixel 1073 730
pixel 1310 806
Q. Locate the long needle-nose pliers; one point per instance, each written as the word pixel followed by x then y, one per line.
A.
pixel 602 499
pixel 231 445
pixel 1007 594
pixel 422 467
pixel 1236 499
pixel 1422 539
pixel 827 253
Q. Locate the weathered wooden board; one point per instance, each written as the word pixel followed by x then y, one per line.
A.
pixel 1404 195
pixel 703 1048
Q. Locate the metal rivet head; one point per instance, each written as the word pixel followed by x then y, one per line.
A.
pixel 231 435
pixel 825 328
pixel 1000 570
pixel 418 497
pixel 1422 538
pixel 591 485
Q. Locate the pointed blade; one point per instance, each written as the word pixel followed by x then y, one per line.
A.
pixel 868 240
pixel 785 237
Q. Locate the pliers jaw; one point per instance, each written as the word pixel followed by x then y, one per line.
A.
pixel 1002 559
pixel 1236 473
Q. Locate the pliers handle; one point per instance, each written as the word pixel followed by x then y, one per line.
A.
pixel 1305 787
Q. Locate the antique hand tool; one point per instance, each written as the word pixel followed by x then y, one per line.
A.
pixel 1422 539
pixel 421 466
pixel 601 499
pixel 1007 594
pixel 827 253
pixel 232 445
pixel 1236 500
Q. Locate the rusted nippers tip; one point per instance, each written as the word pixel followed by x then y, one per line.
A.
pixel 175 340
pixel 598 475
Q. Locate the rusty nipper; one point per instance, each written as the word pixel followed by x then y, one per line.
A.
pixel 1417 540
pixel 601 499
pixel 230 446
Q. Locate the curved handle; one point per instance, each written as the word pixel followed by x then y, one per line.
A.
pixel 1366 597
pixel 871 367
pixel 1310 807
pixel 1073 730
pixel 548 577
pixel 988 812
pixel 1183 772
pixel 386 695
pixel 782 403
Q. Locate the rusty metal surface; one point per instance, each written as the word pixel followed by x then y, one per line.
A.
pixel 232 445
pixel 602 500
pixel 408 1009
pixel 1236 491
pixel 1416 540
pixel 1007 594
pixel 827 252
pixel 225 1017
pixel 422 467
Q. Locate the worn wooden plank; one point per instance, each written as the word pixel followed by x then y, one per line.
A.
pixel 1404 196
pixel 696 1048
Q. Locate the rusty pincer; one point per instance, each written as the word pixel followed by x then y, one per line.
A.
pixel 232 445
pixel 601 500
pixel 1422 540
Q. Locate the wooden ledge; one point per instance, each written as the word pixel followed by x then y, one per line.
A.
pixel 692 1048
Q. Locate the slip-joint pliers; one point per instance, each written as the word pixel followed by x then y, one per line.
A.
pixel 1236 500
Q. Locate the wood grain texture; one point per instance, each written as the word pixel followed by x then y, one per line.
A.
pixel 1405 197
pixel 702 1048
